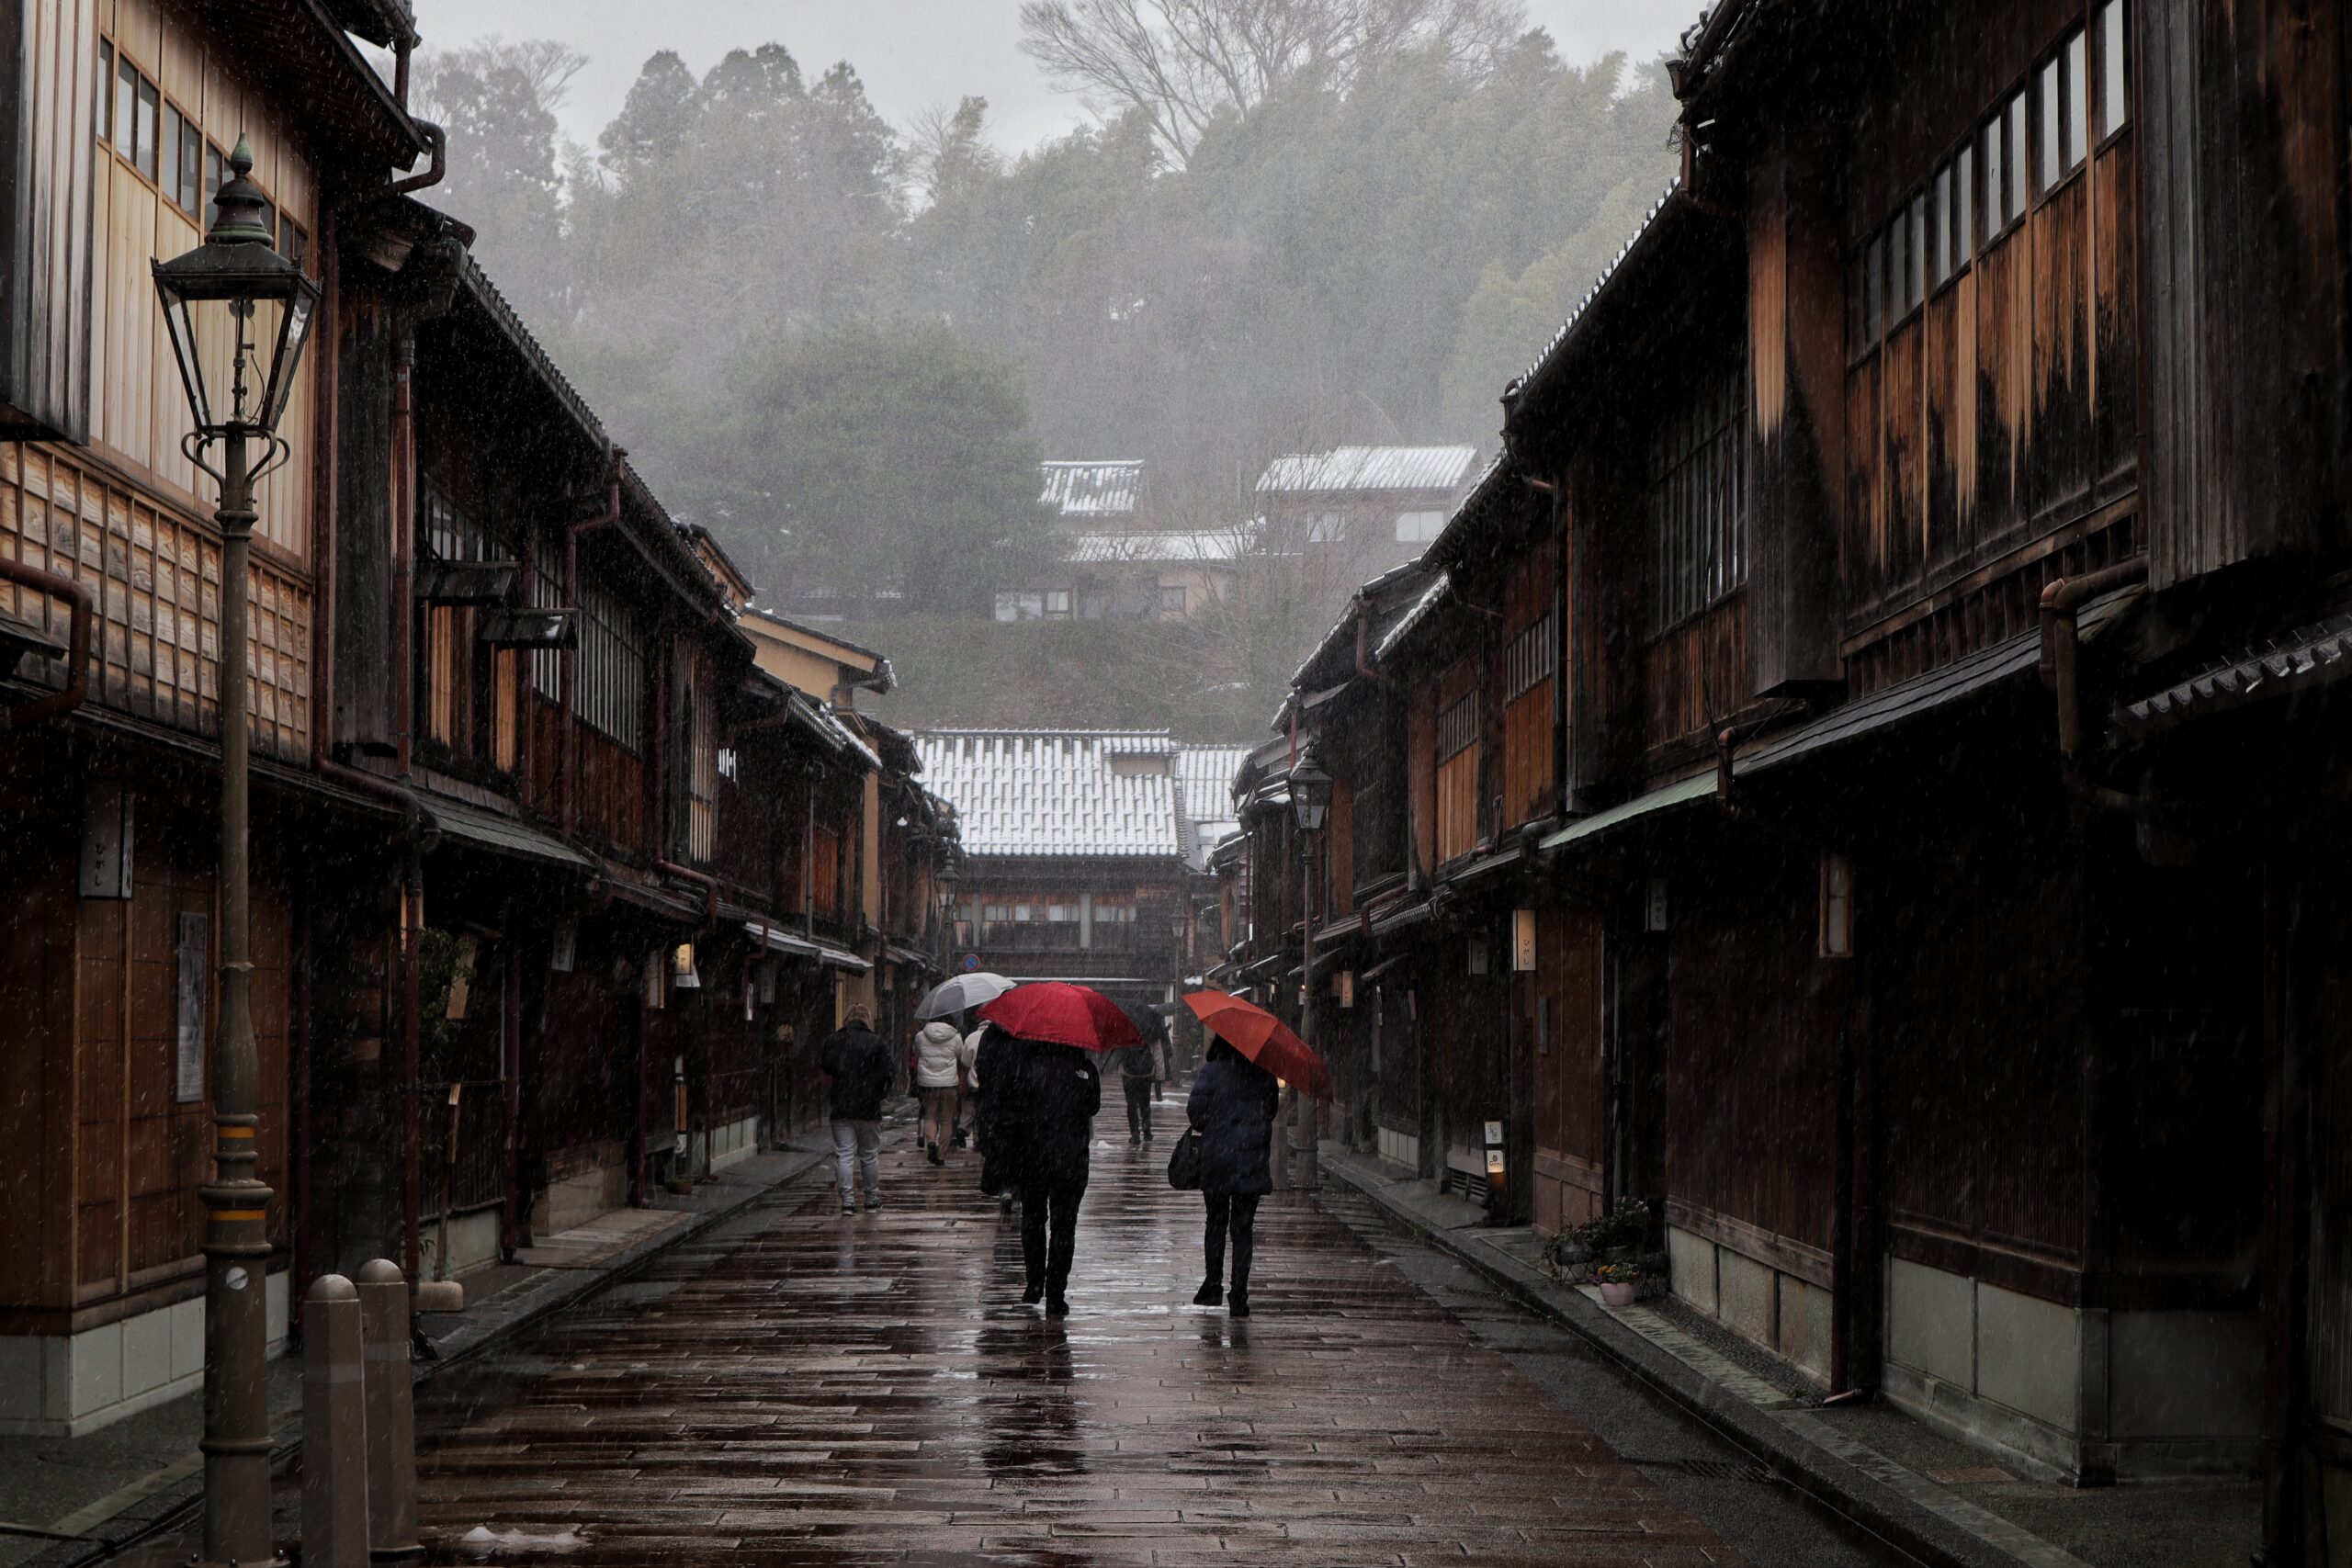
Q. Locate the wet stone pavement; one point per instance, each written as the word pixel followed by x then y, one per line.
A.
pixel 798 1387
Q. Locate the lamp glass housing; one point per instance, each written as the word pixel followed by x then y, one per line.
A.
pixel 1310 795
pixel 239 314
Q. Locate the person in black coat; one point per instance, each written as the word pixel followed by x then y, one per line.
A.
pixel 997 1120
pixel 857 1061
pixel 1234 1103
pixel 1059 1090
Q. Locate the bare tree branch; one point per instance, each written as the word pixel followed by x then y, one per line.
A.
pixel 1181 63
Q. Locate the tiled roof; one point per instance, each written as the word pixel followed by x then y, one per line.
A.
pixel 2293 662
pixel 1567 328
pixel 1050 793
pixel 1369 469
pixel 1204 795
pixel 1093 489
pixel 1093 549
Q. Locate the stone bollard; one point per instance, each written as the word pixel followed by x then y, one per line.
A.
pixel 391 1413
pixel 334 1427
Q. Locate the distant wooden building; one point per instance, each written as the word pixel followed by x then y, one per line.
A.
pixel 1076 845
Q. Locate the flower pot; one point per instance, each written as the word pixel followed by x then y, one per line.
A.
pixel 1619 1294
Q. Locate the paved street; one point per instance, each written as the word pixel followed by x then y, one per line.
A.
pixel 800 1388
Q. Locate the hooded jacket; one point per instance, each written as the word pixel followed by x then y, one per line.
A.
pixel 859 1064
pixel 937 1047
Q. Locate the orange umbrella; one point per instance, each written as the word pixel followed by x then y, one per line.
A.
pixel 1264 1039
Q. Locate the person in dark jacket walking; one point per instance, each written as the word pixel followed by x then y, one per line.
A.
pixel 1059 1090
pixel 997 1122
pixel 1140 1069
pixel 858 1062
pixel 1232 1103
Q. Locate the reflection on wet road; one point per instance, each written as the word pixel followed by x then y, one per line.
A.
pixel 798 1387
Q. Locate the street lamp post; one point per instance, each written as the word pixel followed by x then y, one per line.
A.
pixel 239 315
pixel 1311 795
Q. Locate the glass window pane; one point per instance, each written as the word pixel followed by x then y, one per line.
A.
pixel 169 167
pixel 2017 151
pixel 215 172
pixel 1963 226
pixel 105 95
pixel 2076 87
pixel 1918 272
pixel 192 172
pixel 2049 131
pixel 145 157
pixel 2114 75
pixel 1874 277
pixel 1939 225
pixel 1992 176
pixel 126 109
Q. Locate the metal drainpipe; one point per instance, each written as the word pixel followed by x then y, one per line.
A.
pixel 2061 601
pixel 83 608
pixel 572 533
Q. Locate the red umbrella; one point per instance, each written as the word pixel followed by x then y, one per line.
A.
pixel 1264 1039
pixel 1063 1014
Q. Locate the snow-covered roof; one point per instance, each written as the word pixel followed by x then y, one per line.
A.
pixel 1369 469
pixel 1111 488
pixel 1054 792
pixel 1204 795
pixel 1206 549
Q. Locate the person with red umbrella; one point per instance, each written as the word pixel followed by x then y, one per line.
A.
pixel 1056 1088
pixel 1236 1097
pixel 1234 1103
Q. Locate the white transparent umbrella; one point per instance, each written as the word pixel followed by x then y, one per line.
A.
pixel 953 995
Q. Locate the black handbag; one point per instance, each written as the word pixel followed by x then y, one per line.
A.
pixel 1184 1163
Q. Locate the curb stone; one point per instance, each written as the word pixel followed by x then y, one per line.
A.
pixel 168 1502
pixel 1778 1442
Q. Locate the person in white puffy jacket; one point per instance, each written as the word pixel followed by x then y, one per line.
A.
pixel 937 1070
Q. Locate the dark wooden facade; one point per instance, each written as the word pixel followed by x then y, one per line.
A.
pixel 482 870
pixel 1965 342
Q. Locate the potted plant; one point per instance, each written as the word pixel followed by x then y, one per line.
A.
pixel 1620 1282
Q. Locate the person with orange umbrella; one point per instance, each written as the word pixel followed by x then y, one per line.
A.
pixel 1236 1097
pixel 1057 1089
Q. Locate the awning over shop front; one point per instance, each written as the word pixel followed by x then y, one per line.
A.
pixel 1921 694
pixel 2303 659
pixel 1686 792
pixel 778 940
pixel 501 834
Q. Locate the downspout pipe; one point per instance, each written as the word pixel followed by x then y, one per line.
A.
pixel 2061 603
pixel 83 608
pixel 610 516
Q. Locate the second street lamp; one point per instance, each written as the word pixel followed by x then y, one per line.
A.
pixel 240 315
pixel 1310 798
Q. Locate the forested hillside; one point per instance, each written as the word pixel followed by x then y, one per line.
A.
pixel 1363 245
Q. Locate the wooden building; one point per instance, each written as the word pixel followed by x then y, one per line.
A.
pixel 118 117
pixel 1074 846
pixel 535 836
pixel 1867 744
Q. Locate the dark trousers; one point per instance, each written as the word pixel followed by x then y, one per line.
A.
pixel 1240 1210
pixel 1054 1202
pixel 1138 1107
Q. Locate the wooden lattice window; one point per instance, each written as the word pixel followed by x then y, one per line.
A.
pixel 1531 658
pixel 611 669
pixel 1698 499
pixel 1457 727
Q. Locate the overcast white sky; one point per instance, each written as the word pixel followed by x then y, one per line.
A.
pixel 913 53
